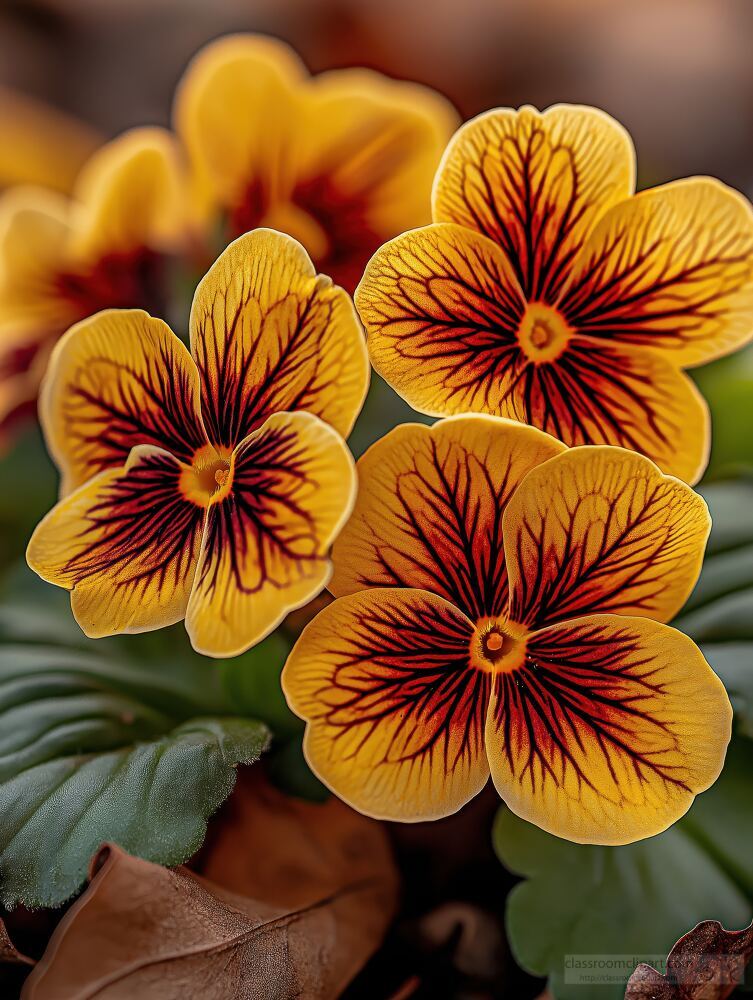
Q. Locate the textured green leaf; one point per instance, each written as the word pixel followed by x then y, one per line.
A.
pixel 96 748
pixel 632 901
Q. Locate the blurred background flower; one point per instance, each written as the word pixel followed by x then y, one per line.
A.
pixel 676 73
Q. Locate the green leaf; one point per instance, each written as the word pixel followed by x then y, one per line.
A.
pixel 97 747
pixel 629 902
pixel 727 385
pixel 719 612
pixel 251 683
pixel 382 411
pixel 29 490
pixel 733 662
pixel 247 685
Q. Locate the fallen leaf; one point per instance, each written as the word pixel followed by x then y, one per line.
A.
pixel 707 963
pixel 9 954
pixel 292 900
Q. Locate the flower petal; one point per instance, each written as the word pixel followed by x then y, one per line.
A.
pixel 535 184
pixel 442 307
pixel 126 544
pixel 369 149
pixel 117 380
pixel 35 228
pixel 395 713
pixel 597 393
pixel 265 549
pixel 601 529
pixel 232 112
pixel 429 510
pixel 131 196
pixel 608 731
pixel 41 143
pixel 671 269
pixel 270 335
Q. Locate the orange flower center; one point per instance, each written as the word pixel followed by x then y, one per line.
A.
pixel 543 333
pixel 209 477
pixel 498 646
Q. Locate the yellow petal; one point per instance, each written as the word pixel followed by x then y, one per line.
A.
pixel 41 144
pixel 114 381
pixel 23 360
pixel 671 269
pixel 131 196
pixel 608 731
pixel 126 544
pixel 442 307
pixel 269 335
pixel 429 510
pixel 449 329
pixel 395 712
pixel 601 529
pixel 232 111
pixel 35 228
pixel 598 393
pixel 289 489
pixel 535 183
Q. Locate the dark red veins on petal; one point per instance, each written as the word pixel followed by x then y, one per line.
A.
pixel 581 684
pixel 411 663
pixel 142 528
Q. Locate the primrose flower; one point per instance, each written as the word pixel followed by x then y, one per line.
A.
pixel 62 259
pixel 548 292
pixel 500 608
pixel 193 484
pixel 341 161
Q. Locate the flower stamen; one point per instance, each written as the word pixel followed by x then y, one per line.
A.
pixel 543 333
pixel 498 646
pixel 208 478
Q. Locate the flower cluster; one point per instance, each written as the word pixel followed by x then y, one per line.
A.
pixel 502 579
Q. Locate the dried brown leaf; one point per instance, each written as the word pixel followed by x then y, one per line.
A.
pixel 707 963
pixel 294 897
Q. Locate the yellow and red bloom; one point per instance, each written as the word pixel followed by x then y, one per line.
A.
pixel 194 484
pixel 548 292
pixel 500 608
pixel 341 161
pixel 62 259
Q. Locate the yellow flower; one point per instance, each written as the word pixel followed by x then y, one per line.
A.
pixel 548 292
pixel 341 161
pixel 500 608
pixel 193 485
pixel 63 259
